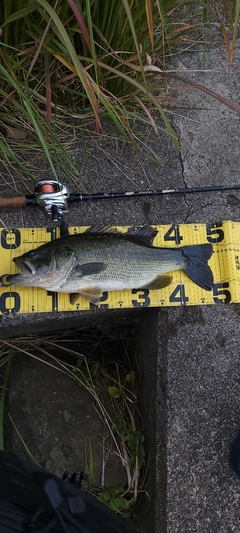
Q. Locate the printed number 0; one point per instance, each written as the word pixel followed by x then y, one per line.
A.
pixel 17 302
pixel 13 235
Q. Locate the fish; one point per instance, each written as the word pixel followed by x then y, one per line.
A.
pixel 104 259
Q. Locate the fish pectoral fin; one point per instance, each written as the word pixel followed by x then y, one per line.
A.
pixel 73 297
pixel 161 281
pixel 90 268
pixel 92 294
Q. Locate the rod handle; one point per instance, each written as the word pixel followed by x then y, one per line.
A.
pixel 12 201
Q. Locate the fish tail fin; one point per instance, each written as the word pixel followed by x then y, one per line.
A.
pixel 197 268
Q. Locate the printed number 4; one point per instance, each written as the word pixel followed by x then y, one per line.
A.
pixel 178 295
pixel 173 234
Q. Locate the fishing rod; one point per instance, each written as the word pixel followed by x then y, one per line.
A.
pixel 55 197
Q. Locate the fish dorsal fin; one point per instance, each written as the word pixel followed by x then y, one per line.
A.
pixel 92 294
pixel 143 235
pixel 161 281
pixel 101 229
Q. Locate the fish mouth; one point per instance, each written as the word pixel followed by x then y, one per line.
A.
pixel 24 266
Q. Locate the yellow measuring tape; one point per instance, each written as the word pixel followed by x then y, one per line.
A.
pixel 225 265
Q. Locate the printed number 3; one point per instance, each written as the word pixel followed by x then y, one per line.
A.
pixel 143 297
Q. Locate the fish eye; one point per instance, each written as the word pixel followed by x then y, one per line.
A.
pixel 31 253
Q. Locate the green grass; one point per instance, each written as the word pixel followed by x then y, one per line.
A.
pixel 67 62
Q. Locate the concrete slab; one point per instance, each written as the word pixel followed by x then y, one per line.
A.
pixel 189 357
pixel 203 417
pixel 203 356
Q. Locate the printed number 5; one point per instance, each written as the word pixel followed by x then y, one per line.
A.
pixel 214 233
pixel 221 294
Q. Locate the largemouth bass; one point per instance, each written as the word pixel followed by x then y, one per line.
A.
pixel 102 259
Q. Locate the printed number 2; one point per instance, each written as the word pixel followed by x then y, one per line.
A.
pixel 103 298
pixel 178 295
pixel 221 294
pixel 173 234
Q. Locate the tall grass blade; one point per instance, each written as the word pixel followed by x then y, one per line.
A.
pixel 83 76
pixel 9 155
pixel 48 94
pixel 204 89
pixel 235 30
pixel 30 455
pixel 34 116
pixel 3 396
pixel 150 97
pixel 149 14
pixel 22 13
pixel 81 23
pixel 133 29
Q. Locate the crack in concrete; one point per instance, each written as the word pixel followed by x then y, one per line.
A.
pixel 188 205
pixel 182 167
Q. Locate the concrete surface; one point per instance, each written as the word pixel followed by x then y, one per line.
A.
pixel 59 422
pixel 192 408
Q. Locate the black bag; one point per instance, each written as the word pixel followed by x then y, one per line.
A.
pixel 35 501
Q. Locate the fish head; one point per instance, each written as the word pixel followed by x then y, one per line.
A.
pixel 34 266
pixel 43 267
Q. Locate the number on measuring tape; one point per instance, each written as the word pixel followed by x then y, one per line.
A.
pixel 102 305
pixel 214 233
pixel 143 296
pixel 10 239
pixel 54 296
pixel 52 232
pixel 221 289
pixel 16 302
pixel 173 234
pixel 178 295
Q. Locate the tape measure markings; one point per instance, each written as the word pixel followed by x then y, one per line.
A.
pixel 225 264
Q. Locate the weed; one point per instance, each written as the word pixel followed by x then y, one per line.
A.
pixel 65 63
pixel 103 365
pixel 89 466
pixel 115 499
